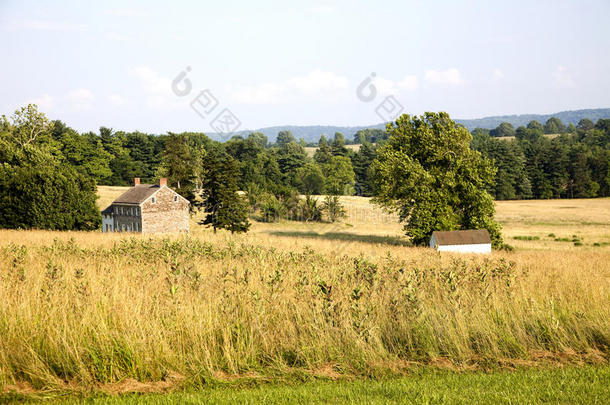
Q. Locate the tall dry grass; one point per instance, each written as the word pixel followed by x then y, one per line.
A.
pixel 101 308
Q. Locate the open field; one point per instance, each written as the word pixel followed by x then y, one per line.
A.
pixel 295 301
pixel 312 149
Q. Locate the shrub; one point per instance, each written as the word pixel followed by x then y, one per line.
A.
pixel 526 237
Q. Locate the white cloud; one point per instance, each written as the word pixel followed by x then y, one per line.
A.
pixel 384 86
pixel 409 82
pixel 157 89
pixel 44 102
pixel 113 36
pixel 127 12
pixel 117 99
pixel 80 99
pixel 322 9
pixel 450 76
pixel 42 25
pixel 317 85
pixel 497 74
pixel 562 78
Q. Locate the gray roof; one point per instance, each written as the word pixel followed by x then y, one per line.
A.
pixel 137 194
pixel 107 210
pixel 469 237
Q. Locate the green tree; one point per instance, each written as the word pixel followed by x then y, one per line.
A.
pixel 310 179
pixel 284 138
pixel 339 176
pixel 224 207
pixel 258 138
pixel 291 157
pixel 37 189
pixel 84 152
pixel 428 174
pixel 585 125
pixel 179 164
pixel 502 130
pixel 554 126
pixel 29 126
pixel 535 125
pixel 338 145
pixel 324 152
pixel 362 162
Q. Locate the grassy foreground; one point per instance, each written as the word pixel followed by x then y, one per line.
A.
pixel 92 312
pixel 188 311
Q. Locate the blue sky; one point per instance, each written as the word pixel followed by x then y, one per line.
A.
pixel 300 62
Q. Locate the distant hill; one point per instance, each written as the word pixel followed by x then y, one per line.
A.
pixel 311 133
pixel 567 117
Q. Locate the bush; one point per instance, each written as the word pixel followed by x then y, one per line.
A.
pixel 271 209
pixel 526 237
pixel 333 208
pixel 310 209
pixel 47 197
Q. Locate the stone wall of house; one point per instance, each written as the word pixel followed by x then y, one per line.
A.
pixel 166 213
pixel 127 218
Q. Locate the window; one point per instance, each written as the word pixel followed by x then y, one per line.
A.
pixel 152 200
pixel 175 197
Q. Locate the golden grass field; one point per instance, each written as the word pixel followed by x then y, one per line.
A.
pixel 86 310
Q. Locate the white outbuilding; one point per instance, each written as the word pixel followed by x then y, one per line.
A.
pixel 470 241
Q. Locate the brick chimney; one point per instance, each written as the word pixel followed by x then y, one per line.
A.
pixel 136 181
pixel 163 181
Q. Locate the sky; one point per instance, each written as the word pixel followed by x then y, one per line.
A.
pixel 185 66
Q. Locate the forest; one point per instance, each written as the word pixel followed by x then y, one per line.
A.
pixel 529 164
pixel 540 161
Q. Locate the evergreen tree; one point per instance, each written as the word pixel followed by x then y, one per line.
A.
pixel 338 145
pixel 225 208
pixel 324 152
pixel 362 161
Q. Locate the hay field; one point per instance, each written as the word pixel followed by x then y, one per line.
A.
pixel 312 149
pixel 291 301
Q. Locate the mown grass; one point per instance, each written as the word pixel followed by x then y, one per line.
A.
pixel 583 385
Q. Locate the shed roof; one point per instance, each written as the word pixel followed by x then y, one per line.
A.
pixel 137 194
pixel 468 237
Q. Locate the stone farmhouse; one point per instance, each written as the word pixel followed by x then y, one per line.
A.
pixel 147 208
pixel 468 241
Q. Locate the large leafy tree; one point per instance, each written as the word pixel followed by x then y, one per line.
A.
pixel 84 152
pixel 504 129
pixel 339 176
pixel 284 138
pixel 37 188
pixel 554 126
pixel 428 174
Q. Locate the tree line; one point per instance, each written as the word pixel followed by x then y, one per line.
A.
pixel 573 164
pixel 272 177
